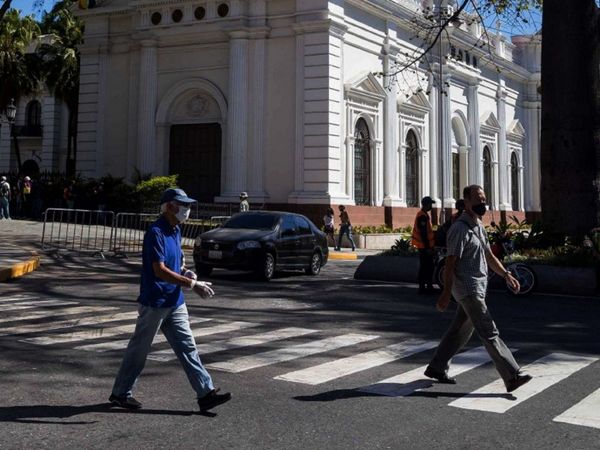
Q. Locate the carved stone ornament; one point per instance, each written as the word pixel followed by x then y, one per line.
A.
pixel 197 105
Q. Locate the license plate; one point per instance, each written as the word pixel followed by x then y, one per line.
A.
pixel 215 254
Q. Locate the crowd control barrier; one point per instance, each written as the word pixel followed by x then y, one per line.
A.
pixel 77 230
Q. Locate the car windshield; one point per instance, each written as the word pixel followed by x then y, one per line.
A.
pixel 252 221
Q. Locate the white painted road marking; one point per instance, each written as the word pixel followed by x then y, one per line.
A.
pixel 237 342
pixel 585 413
pixel 357 363
pixel 35 304
pixel 50 313
pixel 414 380
pixel 160 338
pixel 68 323
pixel 17 298
pixel 289 353
pixel 545 371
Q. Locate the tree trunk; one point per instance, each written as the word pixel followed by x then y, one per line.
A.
pixel 5 7
pixel 570 129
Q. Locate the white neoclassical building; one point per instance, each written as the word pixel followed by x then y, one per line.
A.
pixel 285 99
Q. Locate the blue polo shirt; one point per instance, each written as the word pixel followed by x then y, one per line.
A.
pixel 162 243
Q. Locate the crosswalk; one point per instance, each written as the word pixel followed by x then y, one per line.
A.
pixel 51 322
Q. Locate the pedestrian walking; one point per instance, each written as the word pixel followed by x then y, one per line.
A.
pixel 4 198
pixel 465 278
pixel 423 240
pixel 345 228
pixel 329 225
pixel 244 203
pixel 162 307
pixel 69 195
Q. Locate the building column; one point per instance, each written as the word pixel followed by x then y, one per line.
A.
pixel 434 150
pixel 236 150
pixel 503 162
pixel 256 161
pixel 146 137
pixel 51 111
pixel 447 150
pixel 475 153
pixel 391 177
pixel 532 161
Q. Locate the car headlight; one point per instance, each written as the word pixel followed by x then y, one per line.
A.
pixel 198 242
pixel 248 244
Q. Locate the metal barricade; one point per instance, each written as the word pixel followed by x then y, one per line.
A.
pixel 77 230
pixel 129 230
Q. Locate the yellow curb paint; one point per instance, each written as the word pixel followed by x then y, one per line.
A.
pixel 19 269
pixel 343 256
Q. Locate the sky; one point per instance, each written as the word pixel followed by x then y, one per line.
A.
pixel 26 7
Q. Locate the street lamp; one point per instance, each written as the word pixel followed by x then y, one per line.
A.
pixel 11 113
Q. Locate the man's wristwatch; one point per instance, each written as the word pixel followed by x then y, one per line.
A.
pixel 193 284
pixel 507 273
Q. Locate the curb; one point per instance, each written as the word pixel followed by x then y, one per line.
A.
pixel 19 269
pixel 343 256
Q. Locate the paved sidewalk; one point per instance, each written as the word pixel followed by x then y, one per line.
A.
pixel 19 247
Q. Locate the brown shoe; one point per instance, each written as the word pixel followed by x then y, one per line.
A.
pixel 517 382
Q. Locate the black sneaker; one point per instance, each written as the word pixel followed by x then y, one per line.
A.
pixel 124 402
pixel 212 399
pixel 517 382
pixel 441 377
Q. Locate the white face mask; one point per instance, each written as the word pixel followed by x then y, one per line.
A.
pixel 183 214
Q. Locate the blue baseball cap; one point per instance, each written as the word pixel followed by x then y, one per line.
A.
pixel 175 194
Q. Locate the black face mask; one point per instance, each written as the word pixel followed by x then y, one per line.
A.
pixel 479 209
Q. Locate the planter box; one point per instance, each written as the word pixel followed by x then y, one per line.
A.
pixel 388 268
pixel 374 241
pixel 550 279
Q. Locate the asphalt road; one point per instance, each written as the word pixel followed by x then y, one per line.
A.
pixel 304 357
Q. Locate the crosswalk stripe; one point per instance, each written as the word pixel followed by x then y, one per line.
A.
pixel 244 363
pixel 17 298
pixel 34 304
pixel 160 338
pixel 86 335
pixel 50 313
pixel 237 342
pixel 545 371
pixel 68 323
pixel 357 363
pixel 585 413
pixel 414 380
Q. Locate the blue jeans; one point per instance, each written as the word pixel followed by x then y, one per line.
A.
pixel 345 229
pixel 175 325
pixel 4 214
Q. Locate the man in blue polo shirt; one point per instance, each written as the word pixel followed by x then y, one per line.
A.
pixel 162 307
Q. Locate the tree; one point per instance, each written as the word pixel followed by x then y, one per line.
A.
pixel 60 67
pixel 19 68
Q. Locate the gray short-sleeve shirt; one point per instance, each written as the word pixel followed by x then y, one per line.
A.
pixel 468 241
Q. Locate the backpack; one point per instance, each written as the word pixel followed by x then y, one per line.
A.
pixel 4 190
pixel 441 234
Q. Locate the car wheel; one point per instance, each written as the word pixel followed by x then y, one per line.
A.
pixel 315 264
pixel 266 270
pixel 203 270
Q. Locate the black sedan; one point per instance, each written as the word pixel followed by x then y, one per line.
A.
pixel 262 241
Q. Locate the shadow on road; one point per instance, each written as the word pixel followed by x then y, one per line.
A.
pixel 37 413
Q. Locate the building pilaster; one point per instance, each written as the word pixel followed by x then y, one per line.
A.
pixel 146 137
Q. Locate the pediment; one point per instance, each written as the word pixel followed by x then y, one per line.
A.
pixel 418 101
pixel 489 120
pixel 366 85
pixel 516 129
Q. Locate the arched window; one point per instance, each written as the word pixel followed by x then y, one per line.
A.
pixel 487 175
pixel 412 170
pixel 514 181
pixel 362 166
pixel 34 114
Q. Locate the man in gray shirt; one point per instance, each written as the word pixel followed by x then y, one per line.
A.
pixel 465 278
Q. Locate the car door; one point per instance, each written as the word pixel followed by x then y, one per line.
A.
pixel 304 242
pixel 286 243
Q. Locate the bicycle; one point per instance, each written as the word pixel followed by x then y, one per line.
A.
pixel 524 274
